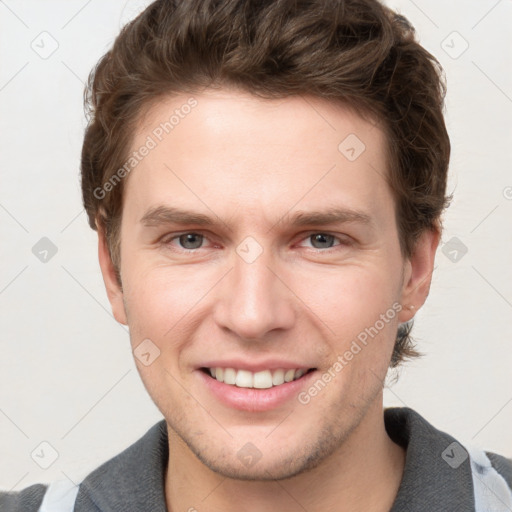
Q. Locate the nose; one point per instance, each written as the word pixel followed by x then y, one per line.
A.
pixel 254 300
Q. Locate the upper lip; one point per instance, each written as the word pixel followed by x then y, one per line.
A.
pixel 252 366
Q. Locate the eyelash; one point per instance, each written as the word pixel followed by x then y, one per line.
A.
pixel 343 242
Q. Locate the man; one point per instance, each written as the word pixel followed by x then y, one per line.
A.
pixel 267 180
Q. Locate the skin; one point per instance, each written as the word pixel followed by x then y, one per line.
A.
pixel 251 164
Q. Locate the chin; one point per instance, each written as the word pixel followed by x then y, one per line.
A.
pixel 261 471
pixel 271 463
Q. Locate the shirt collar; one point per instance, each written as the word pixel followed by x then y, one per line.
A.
pixel 428 482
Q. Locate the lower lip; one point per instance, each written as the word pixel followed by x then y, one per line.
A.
pixel 255 400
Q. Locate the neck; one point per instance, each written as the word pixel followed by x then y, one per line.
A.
pixel 363 474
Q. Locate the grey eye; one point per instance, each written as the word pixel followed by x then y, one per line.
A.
pixel 322 240
pixel 191 240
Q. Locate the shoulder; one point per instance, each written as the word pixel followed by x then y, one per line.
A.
pixel 492 480
pixel 442 473
pixel 502 465
pixel 28 500
pixel 131 481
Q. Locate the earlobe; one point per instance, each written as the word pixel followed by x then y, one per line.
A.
pixel 112 286
pixel 418 274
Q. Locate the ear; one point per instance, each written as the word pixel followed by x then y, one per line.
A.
pixel 114 290
pixel 418 269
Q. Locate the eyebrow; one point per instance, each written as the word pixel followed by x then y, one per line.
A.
pixel 329 216
pixel 171 215
pixel 161 215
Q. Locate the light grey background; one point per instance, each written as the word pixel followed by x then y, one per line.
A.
pixel 66 372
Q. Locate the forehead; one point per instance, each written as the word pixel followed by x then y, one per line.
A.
pixel 238 151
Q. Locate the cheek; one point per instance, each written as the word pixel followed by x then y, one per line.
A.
pixel 160 299
pixel 158 304
pixel 356 308
pixel 355 292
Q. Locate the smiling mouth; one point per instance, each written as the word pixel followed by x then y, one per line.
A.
pixel 256 380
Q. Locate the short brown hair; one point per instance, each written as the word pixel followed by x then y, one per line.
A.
pixel 357 52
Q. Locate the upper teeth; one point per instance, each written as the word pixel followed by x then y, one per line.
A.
pixel 260 380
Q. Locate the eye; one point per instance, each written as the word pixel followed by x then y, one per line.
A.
pixel 324 241
pixel 189 241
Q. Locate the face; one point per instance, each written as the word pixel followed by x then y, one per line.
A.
pixel 259 245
